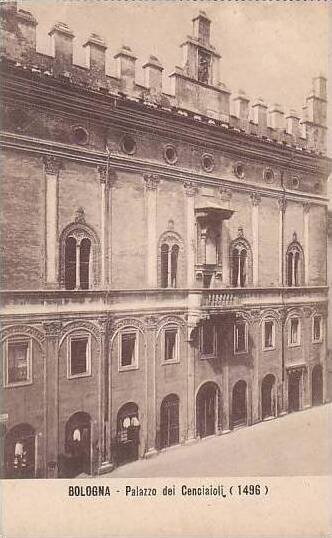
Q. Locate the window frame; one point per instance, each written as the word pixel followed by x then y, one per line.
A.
pixel 133 365
pixel 79 336
pixel 14 340
pixel 244 351
pixel 177 345
pixel 320 340
pixel 214 351
pixel 264 347
pixel 298 343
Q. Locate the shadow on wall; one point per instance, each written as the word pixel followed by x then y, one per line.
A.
pixel 329 375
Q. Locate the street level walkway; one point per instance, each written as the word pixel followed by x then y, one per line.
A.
pixel 296 444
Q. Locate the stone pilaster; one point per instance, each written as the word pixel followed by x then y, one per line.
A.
pixel 282 203
pixel 191 357
pixel 256 200
pixel 53 334
pixel 151 184
pixel 190 191
pixel 104 434
pixel 52 166
pixel 306 218
pixel 151 420
pixel 255 333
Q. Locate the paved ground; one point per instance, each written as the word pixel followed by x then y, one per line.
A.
pixel 296 444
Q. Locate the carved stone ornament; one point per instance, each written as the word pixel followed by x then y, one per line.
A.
pixel 306 207
pixel 106 175
pixel 151 322
pixel 25 330
pixel 255 198
pixel 294 236
pixel 151 181
pixel 190 188
pixel 53 328
pixel 225 194
pixel 80 215
pixel 240 231
pixel 282 202
pixel 52 164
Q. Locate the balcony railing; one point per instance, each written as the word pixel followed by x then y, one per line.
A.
pixel 14 302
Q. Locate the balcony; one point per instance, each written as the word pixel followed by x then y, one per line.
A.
pixel 38 303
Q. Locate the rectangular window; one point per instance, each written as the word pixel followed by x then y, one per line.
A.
pixel 128 355
pixel 170 352
pixel 240 337
pixel 208 339
pixel 79 356
pixel 317 329
pixel 294 336
pixel 269 334
pixel 18 362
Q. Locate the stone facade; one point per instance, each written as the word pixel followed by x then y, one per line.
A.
pixel 164 256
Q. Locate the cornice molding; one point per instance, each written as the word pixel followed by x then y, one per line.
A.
pixel 131 164
pixel 239 145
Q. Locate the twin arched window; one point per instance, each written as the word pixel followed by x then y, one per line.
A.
pixel 294 265
pixel 241 263
pixel 169 254
pixel 79 257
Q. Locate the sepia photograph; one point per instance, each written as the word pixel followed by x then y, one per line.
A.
pixel 166 242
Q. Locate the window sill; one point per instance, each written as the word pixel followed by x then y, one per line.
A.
pixel 272 348
pixel 17 384
pixel 79 376
pixel 244 352
pixel 294 345
pixel 317 341
pixel 175 361
pixel 128 368
pixel 207 357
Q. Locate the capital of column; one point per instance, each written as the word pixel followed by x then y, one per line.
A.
pixel 255 198
pixel 190 188
pixel 52 165
pixel 151 181
pixel 151 322
pixel 52 329
pixel 104 323
pixel 282 202
pixel 106 176
pixel 306 207
pixel 225 194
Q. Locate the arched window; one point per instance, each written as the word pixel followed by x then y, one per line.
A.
pixel 79 258
pixel 294 265
pixel 241 263
pixel 169 254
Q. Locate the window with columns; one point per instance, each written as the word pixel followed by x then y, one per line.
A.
pixel 241 263
pixel 169 261
pixel 294 265
pixel 79 258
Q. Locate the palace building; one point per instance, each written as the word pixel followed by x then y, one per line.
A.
pixel 164 255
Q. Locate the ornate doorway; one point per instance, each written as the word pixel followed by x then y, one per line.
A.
pixel 207 409
pixel 239 403
pixel 169 421
pixel 127 437
pixel 294 380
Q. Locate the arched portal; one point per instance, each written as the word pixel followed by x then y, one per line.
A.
pixel 239 403
pixel 128 426
pixel 317 385
pixel 20 452
pixel 169 421
pixel 78 444
pixel 207 409
pixel 268 396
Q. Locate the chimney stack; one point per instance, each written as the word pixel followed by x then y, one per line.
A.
pixel 153 74
pixel 259 113
pixel 95 48
pixel 276 116
pixel 62 44
pixel 126 68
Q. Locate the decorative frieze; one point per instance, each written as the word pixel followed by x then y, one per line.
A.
pixel 151 181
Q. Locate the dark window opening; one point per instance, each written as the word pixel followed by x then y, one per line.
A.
pixel 268 336
pixel 317 328
pixel 170 344
pixel 128 348
pixel 70 263
pixel 79 356
pixel 174 264
pixel 239 266
pixel 240 337
pixel 17 362
pixel 294 331
pixel 85 249
pixel 207 343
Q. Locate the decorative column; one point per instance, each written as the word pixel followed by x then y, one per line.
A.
pixel 255 199
pixel 151 336
pixel 225 195
pixel 282 203
pixel 306 215
pixel 255 337
pixel 190 191
pixel 51 387
pixel 191 355
pixel 104 438
pixel 151 184
pixel 52 167
pixel 104 178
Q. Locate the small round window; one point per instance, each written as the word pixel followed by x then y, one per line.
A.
pixel 239 170
pixel 295 182
pixel 207 162
pixel 128 144
pixel 80 135
pixel 170 154
pixel 269 175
